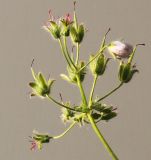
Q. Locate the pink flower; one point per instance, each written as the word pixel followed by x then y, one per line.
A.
pixel 67 19
pixel 120 49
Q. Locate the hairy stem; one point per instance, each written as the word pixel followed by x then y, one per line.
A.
pixel 62 105
pixel 67 53
pixel 102 139
pixel 84 100
pixel 64 53
pixel 110 92
pixel 77 57
pixel 65 132
pixel 92 90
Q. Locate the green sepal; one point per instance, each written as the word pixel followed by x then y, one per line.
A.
pixel 80 33
pixel 40 87
pixel 126 72
pixel 132 72
pixel 73 34
pixel 98 65
pixel 65 77
pixel 55 30
pixel 121 68
pixel 77 34
pixel 72 73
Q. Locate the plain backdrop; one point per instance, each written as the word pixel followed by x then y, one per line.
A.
pixel 22 39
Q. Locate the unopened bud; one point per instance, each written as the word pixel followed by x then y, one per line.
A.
pixel 120 49
pixel 98 65
pixel 40 86
pixel 126 72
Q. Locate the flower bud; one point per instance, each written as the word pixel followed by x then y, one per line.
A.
pixel 98 65
pixel 40 87
pixel 77 34
pixel 52 27
pixel 120 49
pixel 66 23
pixel 73 73
pixel 126 72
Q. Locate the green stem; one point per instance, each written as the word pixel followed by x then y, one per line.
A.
pixel 104 39
pixel 102 139
pixel 63 52
pixel 62 105
pixel 100 52
pixel 92 90
pixel 77 58
pixel 110 92
pixel 82 91
pixel 65 132
pixel 67 52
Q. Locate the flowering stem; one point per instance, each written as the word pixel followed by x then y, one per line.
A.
pixel 92 90
pixel 63 52
pixel 67 52
pixel 77 58
pixel 65 132
pixel 98 54
pixel 62 105
pixel 102 139
pixel 111 92
pixel 81 91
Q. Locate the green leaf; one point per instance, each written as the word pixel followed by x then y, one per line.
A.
pixel 109 116
pixel 96 116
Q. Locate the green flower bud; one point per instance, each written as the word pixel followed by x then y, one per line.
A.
pixel 40 86
pixel 126 72
pixel 98 65
pixel 73 73
pixel 52 27
pixel 77 34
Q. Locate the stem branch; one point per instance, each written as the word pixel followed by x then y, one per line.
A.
pixel 92 90
pixel 81 91
pixel 110 92
pixel 65 132
pixel 62 105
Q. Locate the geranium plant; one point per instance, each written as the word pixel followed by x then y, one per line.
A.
pixel 91 110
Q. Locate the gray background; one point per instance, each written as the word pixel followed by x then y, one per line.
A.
pixel 22 39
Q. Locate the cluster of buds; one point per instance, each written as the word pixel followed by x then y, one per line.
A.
pixel 64 27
